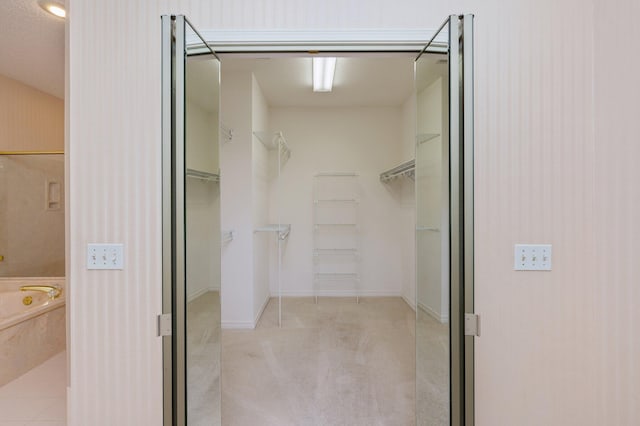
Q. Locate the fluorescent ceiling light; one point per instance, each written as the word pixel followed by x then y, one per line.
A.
pixel 53 8
pixel 323 71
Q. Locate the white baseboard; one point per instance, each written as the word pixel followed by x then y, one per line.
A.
pixel 338 293
pixel 432 313
pixel 246 325
pixel 237 325
pixel 261 310
pixel 193 296
pixel 409 302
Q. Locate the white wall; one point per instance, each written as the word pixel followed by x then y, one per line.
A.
pixel 432 200
pixel 262 241
pixel 203 203
pixel 408 204
pixel 30 120
pixel 570 333
pixel 236 200
pixel 362 140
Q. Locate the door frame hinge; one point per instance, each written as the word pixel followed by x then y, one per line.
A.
pixel 472 325
pixel 165 325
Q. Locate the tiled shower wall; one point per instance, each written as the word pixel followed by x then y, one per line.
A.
pixel 31 233
pixel 32 215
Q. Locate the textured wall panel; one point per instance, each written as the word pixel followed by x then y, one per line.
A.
pixel 114 96
pixel 534 173
pixel 617 67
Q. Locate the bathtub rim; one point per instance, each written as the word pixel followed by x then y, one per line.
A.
pixel 14 283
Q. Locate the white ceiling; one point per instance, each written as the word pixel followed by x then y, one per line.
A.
pixel 32 45
pixel 202 82
pixel 359 81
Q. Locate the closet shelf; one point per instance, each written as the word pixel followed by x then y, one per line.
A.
pixel 406 169
pixel 426 137
pixel 282 230
pixel 336 224
pixel 336 174
pixel 333 276
pixel 336 252
pixel 337 200
pixel 426 228
pixel 273 141
pixel 198 174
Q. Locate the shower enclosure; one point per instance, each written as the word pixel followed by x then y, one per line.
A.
pixel 32 215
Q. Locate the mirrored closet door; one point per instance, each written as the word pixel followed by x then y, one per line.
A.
pixel 192 235
pixel 444 226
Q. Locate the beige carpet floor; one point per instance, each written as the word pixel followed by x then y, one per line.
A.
pixel 333 363
pixel 432 371
pixel 203 360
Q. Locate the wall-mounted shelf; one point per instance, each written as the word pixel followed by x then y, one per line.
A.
pixel 343 228
pixel 335 276
pixel 406 169
pixel 198 174
pixel 426 137
pixel 337 200
pixel 282 230
pixel 273 141
pixel 426 228
pixel 336 174
pixel 335 252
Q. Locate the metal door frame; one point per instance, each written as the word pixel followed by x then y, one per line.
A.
pixel 461 184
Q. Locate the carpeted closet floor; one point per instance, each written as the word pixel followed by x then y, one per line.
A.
pixel 334 363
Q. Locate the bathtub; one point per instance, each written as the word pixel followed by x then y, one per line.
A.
pixel 29 334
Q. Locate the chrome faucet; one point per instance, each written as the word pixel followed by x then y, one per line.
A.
pixel 52 291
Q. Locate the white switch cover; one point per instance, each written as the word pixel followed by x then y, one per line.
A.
pixel 105 256
pixel 532 257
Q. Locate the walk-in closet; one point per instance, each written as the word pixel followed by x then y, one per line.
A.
pixel 319 283
pixel 317 238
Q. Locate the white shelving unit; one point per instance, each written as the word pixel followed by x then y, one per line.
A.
pixel 406 169
pixel 206 176
pixel 336 250
pixel 275 142
pixel 282 230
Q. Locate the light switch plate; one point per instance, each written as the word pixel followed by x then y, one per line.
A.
pixel 105 256
pixel 532 257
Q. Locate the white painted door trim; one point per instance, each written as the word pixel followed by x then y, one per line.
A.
pixel 365 40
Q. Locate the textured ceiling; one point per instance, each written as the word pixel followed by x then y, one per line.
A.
pixel 32 45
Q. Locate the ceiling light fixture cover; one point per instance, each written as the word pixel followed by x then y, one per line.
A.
pixel 323 71
pixel 53 8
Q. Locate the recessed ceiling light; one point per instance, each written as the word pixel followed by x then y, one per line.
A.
pixel 53 8
pixel 323 71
